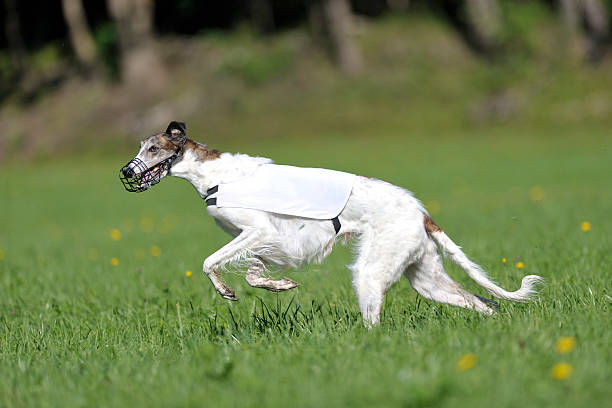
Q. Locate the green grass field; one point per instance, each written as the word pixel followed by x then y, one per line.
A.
pixel 76 330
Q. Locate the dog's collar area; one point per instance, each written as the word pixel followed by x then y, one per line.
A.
pixel 212 201
pixel 211 191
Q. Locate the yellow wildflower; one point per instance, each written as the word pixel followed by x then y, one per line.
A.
pixel 503 260
pixel 565 344
pixel 188 273
pixel 520 265
pixel 155 250
pixel 585 226
pixel 114 261
pixel 115 234
pixel 466 361
pixel 536 193
pixel 561 371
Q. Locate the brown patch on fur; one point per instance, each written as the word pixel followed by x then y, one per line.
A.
pixel 165 144
pixel 430 225
pixel 201 151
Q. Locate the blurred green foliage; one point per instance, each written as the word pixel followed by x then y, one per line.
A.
pixel 522 27
pixel 257 66
pixel 107 43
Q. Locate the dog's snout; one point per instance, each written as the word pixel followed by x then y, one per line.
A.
pixel 128 172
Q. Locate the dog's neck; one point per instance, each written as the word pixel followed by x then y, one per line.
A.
pixel 205 168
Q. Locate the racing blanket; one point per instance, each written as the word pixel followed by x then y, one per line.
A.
pixel 298 191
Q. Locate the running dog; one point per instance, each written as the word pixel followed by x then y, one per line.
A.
pixel 394 233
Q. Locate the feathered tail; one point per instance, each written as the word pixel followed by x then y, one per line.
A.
pixel 454 252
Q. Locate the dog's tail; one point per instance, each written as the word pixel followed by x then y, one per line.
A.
pixel 454 252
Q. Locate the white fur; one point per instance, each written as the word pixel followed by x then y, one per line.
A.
pixel 387 220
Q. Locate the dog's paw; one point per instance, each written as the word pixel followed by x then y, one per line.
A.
pixel 227 293
pixel 233 298
pixel 280 285
pixel 287 284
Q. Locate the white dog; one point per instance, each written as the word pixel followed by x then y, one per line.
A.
pixel 394 233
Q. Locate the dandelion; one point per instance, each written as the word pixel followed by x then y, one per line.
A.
pixel 1 255
pixel 585 226
pixel 188 273
pixel 155 250
pixel 114 261
pixel 536 193
pixel 561 371
pixel 503 260
pixel 520 264
pixel 433 207
pixel 466 361
pixel 565 344
pixel 115 234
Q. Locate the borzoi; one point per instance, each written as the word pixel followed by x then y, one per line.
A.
pixel 394 233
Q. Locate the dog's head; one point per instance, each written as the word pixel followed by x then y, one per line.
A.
pixel 156 156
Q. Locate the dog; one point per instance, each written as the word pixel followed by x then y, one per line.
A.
pixel 394 234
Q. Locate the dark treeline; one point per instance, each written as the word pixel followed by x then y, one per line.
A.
pixel 121 33
pixel 43 21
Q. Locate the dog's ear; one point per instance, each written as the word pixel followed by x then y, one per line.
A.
pixel 177 132
pixel 177 128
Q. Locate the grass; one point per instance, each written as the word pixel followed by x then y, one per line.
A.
pixel 78 331
pixel 512 182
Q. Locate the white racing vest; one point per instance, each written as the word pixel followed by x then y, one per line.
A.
pixel 303 192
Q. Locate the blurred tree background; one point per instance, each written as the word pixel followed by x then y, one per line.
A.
pixel 74 71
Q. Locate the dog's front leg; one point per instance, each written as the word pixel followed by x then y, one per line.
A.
pixel 255 278
pixel 230 251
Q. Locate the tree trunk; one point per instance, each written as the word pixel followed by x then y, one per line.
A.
pixel 571 17
pixel 262 15
pixel 141 65
pixel 80 34
pixel 484 19
pixel 333 20
pixel 13 38
pixel 596 17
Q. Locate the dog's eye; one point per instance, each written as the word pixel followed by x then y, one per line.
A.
pixel 153 149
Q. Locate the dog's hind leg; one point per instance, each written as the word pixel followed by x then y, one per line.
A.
pixel 255 278
pixel 234 249
pixel 430 280
pixel 378 266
